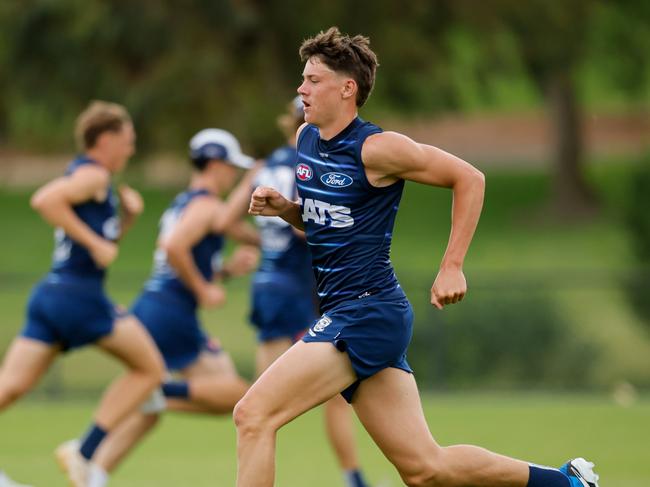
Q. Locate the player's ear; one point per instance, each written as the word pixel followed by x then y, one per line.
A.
pixel 349 89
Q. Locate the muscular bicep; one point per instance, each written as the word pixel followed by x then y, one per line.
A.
pixel 394 156
pixel 86 183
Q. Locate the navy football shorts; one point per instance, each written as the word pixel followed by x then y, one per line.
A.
pixel 375 331
pixel 70 312
pixel 173 324
pixel 281 311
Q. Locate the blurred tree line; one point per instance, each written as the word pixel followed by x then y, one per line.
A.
pixel 181 66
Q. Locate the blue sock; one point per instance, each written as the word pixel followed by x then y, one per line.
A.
pixel 353 478
pixel 178 389
pixel 91 441
pixel 547 477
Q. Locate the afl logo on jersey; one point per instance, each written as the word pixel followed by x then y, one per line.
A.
pixel 336 180
pixel 304 172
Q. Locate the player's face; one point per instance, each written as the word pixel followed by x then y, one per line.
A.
pixel 120 145
pixel 321 91
pixel 226 175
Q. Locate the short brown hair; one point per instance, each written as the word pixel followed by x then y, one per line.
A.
pixel 97 118
pixel 342 53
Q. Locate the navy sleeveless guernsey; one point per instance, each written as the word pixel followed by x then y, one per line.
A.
pixel 206 253
pixel 348 222
pixel 283 252
pixel 71 260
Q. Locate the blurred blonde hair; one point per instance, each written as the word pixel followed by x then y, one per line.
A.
pixel 99 117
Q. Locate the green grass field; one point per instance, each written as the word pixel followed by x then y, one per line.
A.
pixel 577 263
pixel 199 451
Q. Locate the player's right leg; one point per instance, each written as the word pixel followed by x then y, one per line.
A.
pixel 25 362
pixel 338 415
pixel 306 375
pixel 388 405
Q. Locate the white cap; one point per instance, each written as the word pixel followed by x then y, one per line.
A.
pixel 219 144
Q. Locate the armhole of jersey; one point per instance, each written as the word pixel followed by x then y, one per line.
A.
pixel 107 190
pixel 192 199
pixel 301 136
pixel 362 168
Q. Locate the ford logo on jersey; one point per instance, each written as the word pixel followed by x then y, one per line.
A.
pixel 304 172
pixel 336 180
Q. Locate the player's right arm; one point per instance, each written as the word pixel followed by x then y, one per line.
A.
pixel 267 201
pixel 55 200
pixel 192 226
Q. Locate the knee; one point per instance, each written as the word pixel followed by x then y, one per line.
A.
pixel 11 391
pixel 426 473
pixel 250 419
pixel 155 370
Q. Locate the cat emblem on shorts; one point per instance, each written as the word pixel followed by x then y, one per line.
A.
pixel 323 323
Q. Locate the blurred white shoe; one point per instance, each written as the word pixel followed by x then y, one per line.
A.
pixel 98 476
pixel 75 466
pixel 7 482
pixel 155 404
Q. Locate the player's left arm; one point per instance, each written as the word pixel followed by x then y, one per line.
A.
pixel 390 156
pixel 229 216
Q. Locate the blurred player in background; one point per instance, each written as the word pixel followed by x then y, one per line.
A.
pixel 187 263
pixel 350 176
pixel 68 309
pixel 284 300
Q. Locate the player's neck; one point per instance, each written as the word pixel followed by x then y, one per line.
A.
pixel 100 157
pixel 331 130
pixel 202 180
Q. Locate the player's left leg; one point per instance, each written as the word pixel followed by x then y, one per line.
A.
pixel 24 364
pixel 130 343
pixel 388 405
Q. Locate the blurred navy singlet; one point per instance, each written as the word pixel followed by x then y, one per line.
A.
pixel 69 307
pixel 167 307
pixel 283 292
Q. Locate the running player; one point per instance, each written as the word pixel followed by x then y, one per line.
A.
pixel 283 294
pixel 68 308
pixel 350 177
pixel 186 261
